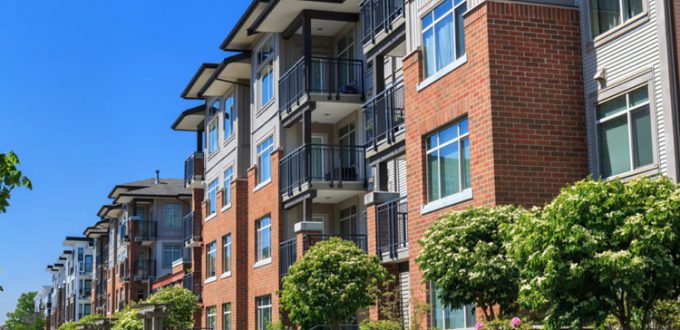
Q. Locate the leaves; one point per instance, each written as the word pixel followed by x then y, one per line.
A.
pixel 10 178
pixel 181 305
pixel 24 317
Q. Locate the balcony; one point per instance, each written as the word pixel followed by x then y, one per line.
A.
pixel 145 269
pixel 144 231
pixel 310 239
pixel 193 171
pixel 189 284
pixel 378 19
pixel 392 230
pixel 192 229
pixel 334 86
pixel 384 116
pixel 333 172
pixel 287 255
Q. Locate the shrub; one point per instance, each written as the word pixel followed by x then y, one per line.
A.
pixel 380 325
pixel 126 319
pixel 68 326
pixel 181 305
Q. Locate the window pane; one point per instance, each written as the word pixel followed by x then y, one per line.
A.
pixel 454 318
pixel 642 133
pixel 442 9
pixel 448 134
pixel 266 243
pixel 426 21
pixel 465 151
pixel 470 317
pixel 605 14
pixel 460 33
pixel 444 31
pixel 433 176
pixel 614 149
pixel 638 96
pixel 429 49
pixel 450 177
pixel 633 8
pixel 611 107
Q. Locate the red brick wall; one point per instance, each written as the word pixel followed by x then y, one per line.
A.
pixel 521 92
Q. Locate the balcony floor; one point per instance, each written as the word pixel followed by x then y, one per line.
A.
pixel 327 193
pixel 325 110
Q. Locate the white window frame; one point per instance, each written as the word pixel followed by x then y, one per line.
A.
pixel 226 313
pixel 442 310
pixel 172 223
pixel 459 139
pixel 229 114
pixel 263 303
pixel 266 151
pixel 623 22
pixel 211 268
pixel 226 193
pixel 211 313
pixel 260 232
pixel 457 59
pixel 226 255
pixel 169 247
pixel 213 142
pixel 212 201
pixel 265 67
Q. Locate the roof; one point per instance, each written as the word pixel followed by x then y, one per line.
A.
pixel 190 119
pixel 232 69
pixel 238 38
pixel 148 188
pixel 198 80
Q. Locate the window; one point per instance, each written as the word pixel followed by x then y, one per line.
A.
pixel 263 242
pixel 228 178
pixel 171 252
pixel 85 288
pixel 265 72
pixel 210 258
pixel 446 318
pixel 608 14
pixel 443 35
pixel 624 133
pixel 264 159
pixel 346 70
pixel 226 254
pixel 229 113
pixel 264 312
pixel 226 316
pixel 212 197
pixel 212 128
pixel 88 264
pixel 211 317
pixel 172 215
pixel 448 161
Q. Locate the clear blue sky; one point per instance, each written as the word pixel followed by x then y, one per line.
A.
pixel 88 91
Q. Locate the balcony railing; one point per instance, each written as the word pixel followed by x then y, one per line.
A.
pixel 392 227
pixel 322 162
pixel 384 115
pixel 310 239
pixel 145 269
pixel 193 168
pixel 188 283
pixel 331 76
pixel 192 232
pixel 144 230
pixel 287 255
pixel 378 16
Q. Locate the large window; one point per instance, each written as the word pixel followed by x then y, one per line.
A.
pixel 212 197
pixel 624 132
pixel 448 161
pixel 228 178
pixel 263 239
pixel 265 72
pixel 443 36
pixel 171 252
pixel 210 258
pixel 446 318
pixel 211 317
pixel 226 254
pixel 212 128
pixel 172 215
pixel 229 113
pixel 88 264
pixel 264 312
pixel 226 316
pixel 608 14
pixel 264 159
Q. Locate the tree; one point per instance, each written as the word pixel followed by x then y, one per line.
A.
pixel 600 248
pixel 10 178
pixel 181 306
pixel 330 283
pixel 464 257
pixel 127 319
pixel 24 316
pixel 90 320
pixel 68 326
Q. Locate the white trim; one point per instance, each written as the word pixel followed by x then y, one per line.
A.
pixel 225 208
pixel 447 201
pixel 262 262
pixel 441 73
pixel 210 217
pixel 210 279
pixel 262 184
pixel 225 275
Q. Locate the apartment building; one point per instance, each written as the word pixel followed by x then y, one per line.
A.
pixel 43 304
pixel 56 271
pixel 139 238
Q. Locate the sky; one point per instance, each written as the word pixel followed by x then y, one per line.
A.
pixel 88 91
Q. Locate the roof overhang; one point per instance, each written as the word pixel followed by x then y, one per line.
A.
pixel 190 119
pixel 238 38
pixel 198 81
pixel 125 198
pixel 109 211
pixel 233 70
pixel 280 14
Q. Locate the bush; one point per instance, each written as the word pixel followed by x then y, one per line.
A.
pixel 506 324
pixel 181 305
pixel 380 325
pixel 126 319
pixel 90 320
pixel 68 326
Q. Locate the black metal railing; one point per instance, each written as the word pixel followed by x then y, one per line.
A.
pixel 310 239
pixel 287 255
pixel 193 168
pixel 378 16
pixel 392 227
pixel 331 76
pixel 188 283
pixel 322 162
pixel 143 230
pixel 145 269
pixel 192 231
pixel 384 115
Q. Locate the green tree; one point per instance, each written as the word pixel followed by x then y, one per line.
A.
pixel 330 283
pixel 464 256
pixel 600 248
pixel 89 320
pixel 68 326
pixel 10 178
pixel 181 306
pixel 24 316
pixel 127 319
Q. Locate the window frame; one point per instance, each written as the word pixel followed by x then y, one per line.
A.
pixel 165 248
pixel 264 67
pixel 226 313
pixel 212 143
pixel 212 201
pixel 226 255
pixel 260 154
pixel 622 27
pixel 443 309
pixel 226 182
pixel 457 60
pixel 211 267
pixel 177 224
pixel 263 303
pixel 460 138
pixel 260 231
pixel 229 114
pixel 211 312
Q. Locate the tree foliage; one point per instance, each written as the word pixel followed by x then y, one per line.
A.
pixel 10 178
pixel 127 319
pixel 330 283
pixel 24 316
pixel 89 320
pixel 600 248
pixel 464 256
pixel 181 306
pixel 68 326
